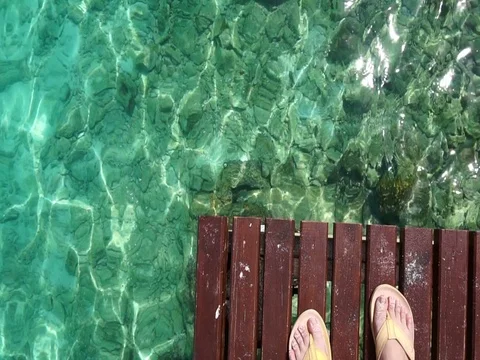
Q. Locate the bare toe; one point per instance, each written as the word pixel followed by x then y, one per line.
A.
pixel 296 351
pixel 409 322
pixel 398 308
pixel 317 333
pixel 380 313
pixel 391 306
pixel 304 333
pixel 291 355
pixel 301 340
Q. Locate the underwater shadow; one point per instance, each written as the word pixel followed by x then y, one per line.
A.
pixel 271 3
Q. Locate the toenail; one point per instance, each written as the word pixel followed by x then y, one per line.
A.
pixel 381 300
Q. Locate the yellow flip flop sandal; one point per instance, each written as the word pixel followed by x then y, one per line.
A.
pixel 390 329
pixel 313 352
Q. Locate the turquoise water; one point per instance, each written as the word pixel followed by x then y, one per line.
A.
pixel 121 121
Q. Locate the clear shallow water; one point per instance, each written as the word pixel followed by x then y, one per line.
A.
pixel 121 121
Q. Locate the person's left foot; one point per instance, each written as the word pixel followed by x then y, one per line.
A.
pixel 302 339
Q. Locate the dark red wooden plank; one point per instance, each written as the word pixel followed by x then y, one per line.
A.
pixel 209 338
pixel 277 291
pixel 313 266
pixel 347 252
pixel 475 290
pixel 242 342
pixel 452 294
pixel 380 269
pixel 416 283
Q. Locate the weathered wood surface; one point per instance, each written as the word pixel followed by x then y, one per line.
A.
pixel 380 269
pixel 244 289
pixel 347 264
pixel 451 313
pixel 439 274
pixel 416 283
pixel 209 337
pixel 313 266
pixel 277 294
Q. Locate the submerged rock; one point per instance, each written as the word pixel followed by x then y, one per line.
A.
pixel 126 93
pixel 419 208
pixel 352 165
pixel 237 177
pixel 346 44
pixel 393 191
pixel 13 72
pixel 358 100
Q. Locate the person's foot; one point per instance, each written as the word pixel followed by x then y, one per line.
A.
pixel 392 350
pixel 302 339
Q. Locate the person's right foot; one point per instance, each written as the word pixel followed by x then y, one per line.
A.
pixel 393 350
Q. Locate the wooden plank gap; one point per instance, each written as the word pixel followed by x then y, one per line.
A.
pixel 473 330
